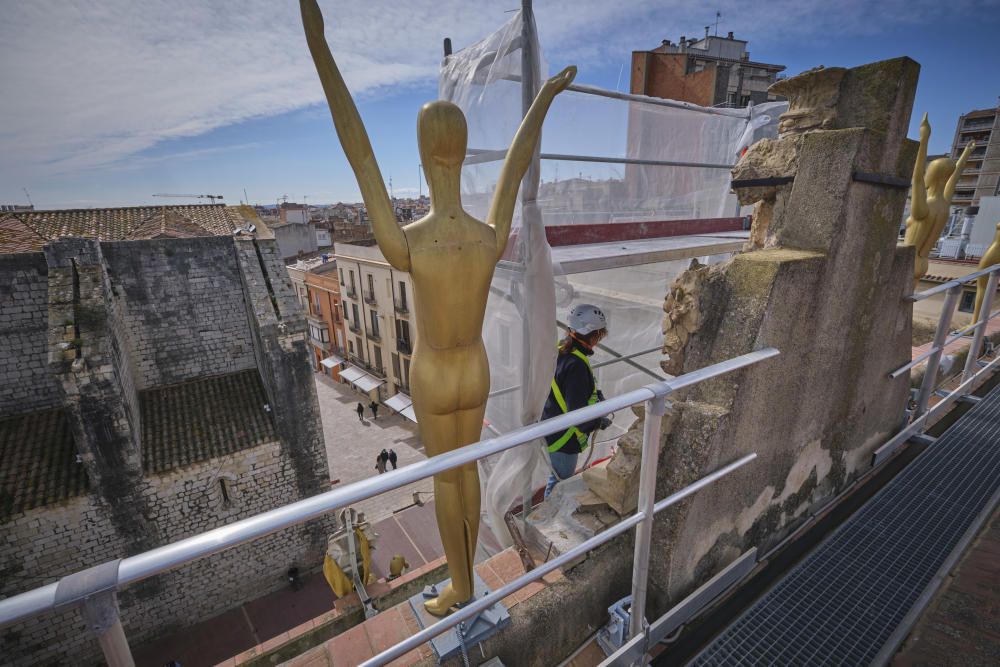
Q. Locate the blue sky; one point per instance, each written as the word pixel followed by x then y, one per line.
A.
pixel 107 103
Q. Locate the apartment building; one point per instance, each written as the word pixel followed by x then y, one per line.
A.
pixel 711 71
pixel 377 310
pixel 324 313
pixel 981 177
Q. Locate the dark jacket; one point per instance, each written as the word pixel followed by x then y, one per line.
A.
pixel 576 382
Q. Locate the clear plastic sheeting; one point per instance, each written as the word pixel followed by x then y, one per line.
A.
pixel 603 160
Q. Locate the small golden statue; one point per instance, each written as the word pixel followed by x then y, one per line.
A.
pixel 990 257
pixel 450 257
pixel 931 199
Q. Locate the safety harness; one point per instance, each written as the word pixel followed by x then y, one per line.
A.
pixel 572 430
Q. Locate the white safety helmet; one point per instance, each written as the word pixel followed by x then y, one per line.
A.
pixel 586 318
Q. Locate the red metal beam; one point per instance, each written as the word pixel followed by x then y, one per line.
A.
pixel 564 235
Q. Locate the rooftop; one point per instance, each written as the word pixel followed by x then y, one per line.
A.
pixel 28 231
pixel 203 419
pixel 38 464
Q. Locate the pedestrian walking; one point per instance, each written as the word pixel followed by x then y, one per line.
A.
pixel 379 464
pixel 361 412
pixel 392 458
pixel 384 458
pixel 374 407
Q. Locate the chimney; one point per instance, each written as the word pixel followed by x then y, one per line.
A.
pixel 729 35
pixel 706 31
pixel 683 44
pixel 666 43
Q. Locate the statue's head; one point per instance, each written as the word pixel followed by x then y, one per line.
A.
pixel 938 172
pixel 441 134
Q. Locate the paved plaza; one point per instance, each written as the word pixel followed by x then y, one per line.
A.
pixel 352 445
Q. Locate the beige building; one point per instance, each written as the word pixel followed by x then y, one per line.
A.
pixel 981 177
pixel 378 313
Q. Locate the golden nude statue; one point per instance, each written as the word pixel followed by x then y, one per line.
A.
pixel 450 257
pixel 931 199
pixel 990 257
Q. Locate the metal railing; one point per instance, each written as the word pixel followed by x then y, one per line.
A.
pixel 401 307
pixel 94 590
pixel 351 292
pixel 369 297
pixel 403 345
pixel 921 416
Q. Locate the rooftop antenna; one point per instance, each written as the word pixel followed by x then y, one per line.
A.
pixel 30 203
pixel 212 198
pixel 246 197
pixel 718 15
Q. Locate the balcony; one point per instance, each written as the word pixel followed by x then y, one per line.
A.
pixel 404 346
pixel 402 307
pixel 372 334
pixel 370 297
pixel 351 292
pixel 353 326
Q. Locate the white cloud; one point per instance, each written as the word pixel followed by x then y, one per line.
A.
pixel 90 83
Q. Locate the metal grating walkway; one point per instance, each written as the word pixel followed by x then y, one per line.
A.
pixel 840 605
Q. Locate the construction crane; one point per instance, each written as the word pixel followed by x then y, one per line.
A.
pixel 211 197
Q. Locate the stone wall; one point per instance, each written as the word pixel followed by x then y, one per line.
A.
pixel 58 540
pixel 185 304
pixel 825 285
pixel 25 383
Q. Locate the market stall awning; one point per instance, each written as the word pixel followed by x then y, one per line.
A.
pixel 351 374
pixel 402 404
pixel 368 382
pixel 332 360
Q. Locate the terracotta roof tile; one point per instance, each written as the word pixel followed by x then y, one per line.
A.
pixel 38 462
pixel 29 230
pixel 203 419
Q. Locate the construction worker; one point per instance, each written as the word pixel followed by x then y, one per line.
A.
pixel 574 386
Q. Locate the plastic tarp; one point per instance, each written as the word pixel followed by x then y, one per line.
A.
pixel 521 328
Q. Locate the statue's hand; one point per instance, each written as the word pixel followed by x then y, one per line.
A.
pixel 925 129
pixel 971 145
pixel 560 81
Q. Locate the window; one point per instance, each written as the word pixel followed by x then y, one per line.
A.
pixel 374 322
pixel 395 367
pixel 377 356
pixel 344 304
pixel 403 331
pixel 406 371
pixel 968 302
pixel 361 349
pixel 351 273
pixel 350 347
pixel 224 493
pixel 354 311
pixel 315 303
pixel 371 285
pixel 402 294
pixel 341 271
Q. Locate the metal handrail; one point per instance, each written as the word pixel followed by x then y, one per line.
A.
pixel 161 559
pixel 921 416
pixel 957 282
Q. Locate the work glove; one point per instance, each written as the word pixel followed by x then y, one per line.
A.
pixel 604 423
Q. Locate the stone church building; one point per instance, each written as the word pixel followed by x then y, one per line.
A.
pixel 154 383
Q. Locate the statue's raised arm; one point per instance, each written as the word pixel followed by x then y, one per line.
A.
pixel 519 157
pixel 959 168
pixel 918 205
pixel 354 139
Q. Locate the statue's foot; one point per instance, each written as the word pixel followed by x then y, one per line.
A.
pixel 444 602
